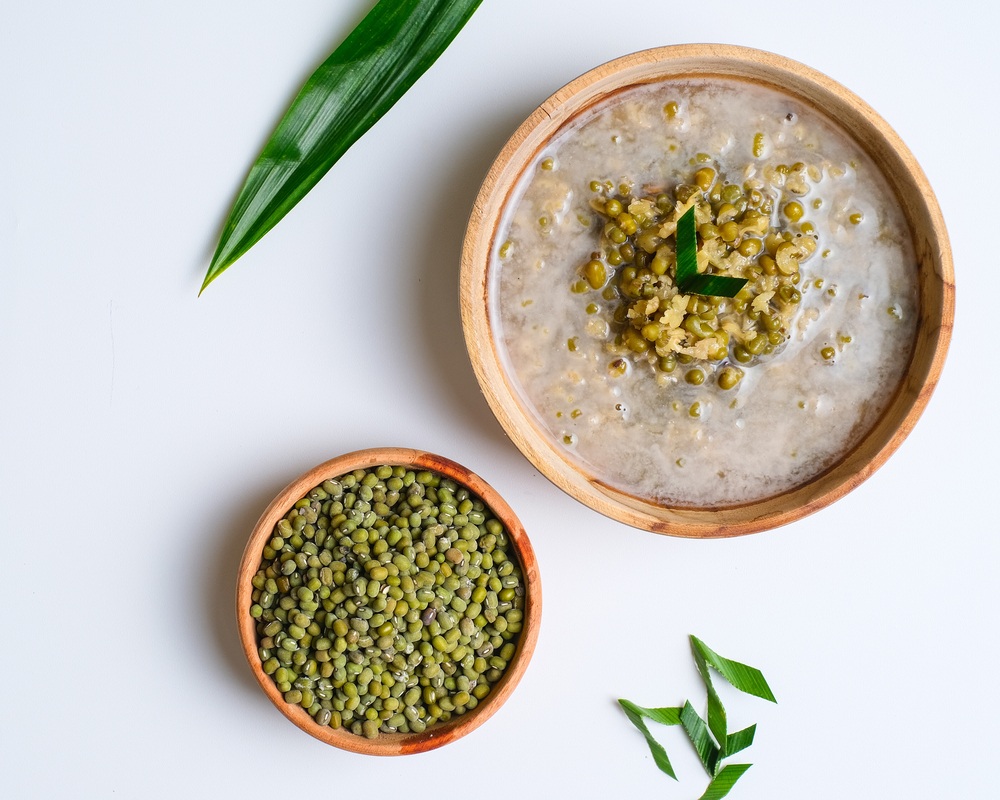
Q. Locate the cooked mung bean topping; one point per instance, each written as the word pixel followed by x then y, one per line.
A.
pixel 383 598
pixel 737 237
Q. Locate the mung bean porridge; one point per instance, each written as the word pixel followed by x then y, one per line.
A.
pixel 643 416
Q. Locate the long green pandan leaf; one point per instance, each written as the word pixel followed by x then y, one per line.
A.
pixel 667 716
pixel 374 66
pixel 749 680
pixel 724 781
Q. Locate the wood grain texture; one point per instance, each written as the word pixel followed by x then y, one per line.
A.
pixel 436 735
pixel 870 132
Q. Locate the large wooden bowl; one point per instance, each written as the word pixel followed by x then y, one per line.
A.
pixel 436 735
pixel 871 133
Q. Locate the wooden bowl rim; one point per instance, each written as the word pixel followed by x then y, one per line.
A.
pixel 436 735
pixel 680 62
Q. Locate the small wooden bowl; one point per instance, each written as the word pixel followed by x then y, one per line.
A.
pixel 436 735
pixel 870 132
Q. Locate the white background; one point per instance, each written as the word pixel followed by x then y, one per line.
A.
pixel 143 430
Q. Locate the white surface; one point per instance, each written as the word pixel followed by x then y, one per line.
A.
pixel 142 430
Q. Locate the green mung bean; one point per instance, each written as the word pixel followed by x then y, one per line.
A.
pixel 369 601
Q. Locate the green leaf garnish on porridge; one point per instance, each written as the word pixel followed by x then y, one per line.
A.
pixel 687 278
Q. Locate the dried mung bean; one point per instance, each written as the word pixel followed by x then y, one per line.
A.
pixel 387 600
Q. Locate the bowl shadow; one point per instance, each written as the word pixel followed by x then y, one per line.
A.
pixel 218 581
pixel 460 396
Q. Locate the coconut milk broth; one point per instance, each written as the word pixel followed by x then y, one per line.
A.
pixel 793 415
